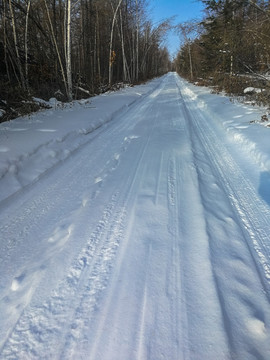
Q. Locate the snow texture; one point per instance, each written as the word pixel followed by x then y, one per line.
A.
pixel 252 90
pixel 135 225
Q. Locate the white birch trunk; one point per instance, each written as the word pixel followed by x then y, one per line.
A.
pixel 231 66
pixel 111 41
pixel 26 45
pixel 98 48
pixel 57 49
pixel 137 41
pixel 123 48
pixel 5 40
pixel 190 60
pixel 18 59
pixel 68 45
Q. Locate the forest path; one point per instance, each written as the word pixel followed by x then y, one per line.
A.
pixel 148 242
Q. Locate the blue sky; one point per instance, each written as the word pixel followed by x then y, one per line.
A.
pixel 183 10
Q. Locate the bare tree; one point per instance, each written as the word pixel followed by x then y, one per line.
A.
pixel 111 53
pixel 46 45
pixel 186 31
pixel 26 45
pixel 68 51
pixel 57 49
pixel 18 59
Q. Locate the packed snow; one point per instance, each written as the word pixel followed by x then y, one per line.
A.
pixel 136 225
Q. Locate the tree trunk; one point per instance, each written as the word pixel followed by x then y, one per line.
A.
pixel 26 45
pixel 137 41
pixel 5 40
pixel 57 49
pixel 98 48
pixel 190 61
pixel 68 52
pixel 18 59
pixel 111 41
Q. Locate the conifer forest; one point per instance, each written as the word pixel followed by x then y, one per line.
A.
pixel 230 48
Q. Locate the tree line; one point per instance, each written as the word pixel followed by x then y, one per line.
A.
pixel 76 48
pixel 230 47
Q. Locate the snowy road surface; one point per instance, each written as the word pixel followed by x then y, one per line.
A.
pixel 150 240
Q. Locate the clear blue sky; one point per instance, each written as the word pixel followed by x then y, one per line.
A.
pixel 183 10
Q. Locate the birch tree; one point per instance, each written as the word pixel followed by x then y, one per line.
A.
pixel 26 45
pixel 57 49
pixel 186 30
pixel 16 46
pixel 68 51
pixel 77 47
pixel 137 42
pixel 111 54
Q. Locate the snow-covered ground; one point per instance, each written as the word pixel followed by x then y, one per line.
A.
pixel 136 225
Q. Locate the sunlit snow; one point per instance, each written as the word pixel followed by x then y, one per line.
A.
pixel 136 225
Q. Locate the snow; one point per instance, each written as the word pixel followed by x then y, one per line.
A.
pixel 135 225
pixel 252 90
pixel 50 136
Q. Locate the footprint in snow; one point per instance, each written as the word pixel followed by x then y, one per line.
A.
pixel 17 281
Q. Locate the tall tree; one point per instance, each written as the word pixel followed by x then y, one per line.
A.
pixel 68 51
pixel 77 47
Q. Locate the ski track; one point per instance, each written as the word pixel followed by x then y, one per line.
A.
pixel 149 269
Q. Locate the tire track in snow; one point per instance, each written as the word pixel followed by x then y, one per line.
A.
pixel 252 212
pixel 87 279
pixel 195 166
pixel 175 287
pixel 257 317
pixel 83 316
pixel 56 150
pixel 94 283
pixel 112 309
pixel 245 203
pixel 39 329
pixel 30 218
pixel 42 325
pixel 191 260
pixel 142 352
pixel 113 304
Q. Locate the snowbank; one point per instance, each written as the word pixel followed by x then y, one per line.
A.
pixel 246 125
pixel 31 145
pixel 252 90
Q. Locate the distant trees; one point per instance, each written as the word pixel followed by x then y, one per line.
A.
pixel 76 46
pixel 186 31
pixel 233 40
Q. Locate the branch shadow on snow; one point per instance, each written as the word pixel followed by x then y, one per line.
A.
pixel 264 187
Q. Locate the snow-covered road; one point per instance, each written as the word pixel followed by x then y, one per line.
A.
pixel 150 241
